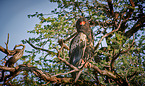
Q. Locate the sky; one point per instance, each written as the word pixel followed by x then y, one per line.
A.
pixel 14 20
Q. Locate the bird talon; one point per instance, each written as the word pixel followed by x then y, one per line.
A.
pixel 87 64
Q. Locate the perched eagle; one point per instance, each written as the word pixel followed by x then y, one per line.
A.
pixel 81 46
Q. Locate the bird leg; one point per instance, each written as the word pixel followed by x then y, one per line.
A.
pixel 85 64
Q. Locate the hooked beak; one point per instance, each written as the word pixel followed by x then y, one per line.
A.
pixel 82 23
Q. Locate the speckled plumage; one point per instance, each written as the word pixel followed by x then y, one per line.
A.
pixel 81 46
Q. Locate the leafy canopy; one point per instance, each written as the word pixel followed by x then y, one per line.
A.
pixel 124 55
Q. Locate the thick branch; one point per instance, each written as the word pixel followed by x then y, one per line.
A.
pixel 3 50
pixel 140 23
pixel 36 71
pixel 11 76
pixel 8 52
pixel 111 7
pixel 111 75
pixel 128 15
pixel 130 9
pixel 11 69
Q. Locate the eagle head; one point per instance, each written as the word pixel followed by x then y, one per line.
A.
pixel 82 25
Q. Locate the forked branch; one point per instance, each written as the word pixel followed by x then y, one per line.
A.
pixel 7 51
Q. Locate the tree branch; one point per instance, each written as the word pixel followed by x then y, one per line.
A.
pixel 104 72
pixel 36 71
pixel 65 73
pixel 128 15
pixel 7 42
pixel 140 23
pixel 69 37
pixel 117 78
pixel 7 51
pixel 95 23
pixel 61 41
pixel 63 60
pixel 11 69
pixel 48 51
pixel 130 9
pixel 117 55
pixel 135 73
pixel 96 47
pixel 111 7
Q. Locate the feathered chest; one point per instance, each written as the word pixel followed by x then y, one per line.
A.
pixel 79 40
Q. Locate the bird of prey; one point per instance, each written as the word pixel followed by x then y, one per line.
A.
pixel 81 46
